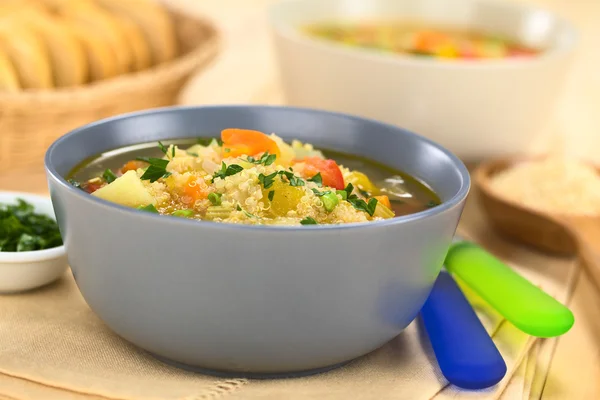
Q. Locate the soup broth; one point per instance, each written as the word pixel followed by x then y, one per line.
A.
pixel 274 183
pixel 419 39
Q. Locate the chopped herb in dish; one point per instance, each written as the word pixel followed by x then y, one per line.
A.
pixel 22 229
pixel 249 177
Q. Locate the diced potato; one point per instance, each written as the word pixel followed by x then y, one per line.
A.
pixel 287 153
pixel 127 190
pixel 285 198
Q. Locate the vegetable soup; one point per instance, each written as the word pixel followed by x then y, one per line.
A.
pixel 249 177
pixel 419 39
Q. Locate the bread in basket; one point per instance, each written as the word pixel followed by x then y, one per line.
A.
pixel 65 63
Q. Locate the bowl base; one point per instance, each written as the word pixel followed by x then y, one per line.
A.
pixel 248 375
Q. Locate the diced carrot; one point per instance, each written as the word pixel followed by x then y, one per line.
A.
pixel 132 166
pixel 384 200
pixel 194 190
pixel 237 142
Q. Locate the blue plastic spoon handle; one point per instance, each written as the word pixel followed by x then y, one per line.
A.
pixel 466 354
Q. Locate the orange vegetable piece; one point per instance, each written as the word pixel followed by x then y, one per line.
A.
pixel 384 200
pixel 132 166
pixel 195 189
pixel 331 174
pixel 237 142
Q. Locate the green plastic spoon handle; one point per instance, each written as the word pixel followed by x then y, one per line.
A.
pixel 525 305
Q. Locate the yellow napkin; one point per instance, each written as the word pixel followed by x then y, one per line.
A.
pixel 53 347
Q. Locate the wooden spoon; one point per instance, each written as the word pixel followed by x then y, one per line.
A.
pixel 562 234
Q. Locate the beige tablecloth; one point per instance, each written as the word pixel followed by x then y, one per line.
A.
pixel 53 347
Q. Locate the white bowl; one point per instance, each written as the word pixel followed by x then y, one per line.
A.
pixel 20 271
pixel 477 109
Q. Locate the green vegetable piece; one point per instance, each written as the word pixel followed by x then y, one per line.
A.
pixel 317 179
pixel 163 148
pixel 148 208
pixel 309 221
pixel 22 229
pixel 109 176
pixel 227 170
pixel 271 195
pixel 266 159
pixel 522 303
pixel 330 200
pixel 267 180
pixel 215 198
pixel 208 141
pixel 156 170
pixel 342 193
pixel 183 213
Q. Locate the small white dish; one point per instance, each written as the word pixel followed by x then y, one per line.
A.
pixel 21 271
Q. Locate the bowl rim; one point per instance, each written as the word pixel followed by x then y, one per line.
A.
pixel 291 33
pixel 458 198
pixel 21 257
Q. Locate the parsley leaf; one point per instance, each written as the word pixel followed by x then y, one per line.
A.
pixel 362 205
pixel 309 221
pixel 319 194
pixel 432 204
pixel 163 148
pixel 293 179
pixel 148 208
pixel 22 229
pixel 156 170
pixel 266 159
pixel 271 195
pixel 227 170
pixel 173 152
pixel 75 183
pixel 109 176
pixel 317 179
pixel 208 141
pixel 267 180
pixel 191 153
pixel 215 198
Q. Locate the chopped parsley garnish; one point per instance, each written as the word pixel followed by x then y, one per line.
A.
pixel 342 193
pixel 309 221
pixel 293 179
pixel 173 152
pixel 215 198
pixel 109 176
pixel 349 189
pixel 183 213
pixel 227 170
pixel 75 183
pixel 156 170
pixel 148 208
pixel 191 153
pixel 245 212
pixel 271 195
pixel 319 194
pixel 317 179
pixel 357 202
pixel 266 159
pixel 267 180
pixel 208 141
pixel 163 148
pixel 362 205
pixel 364 193
pixel 22 229
pixel 432 204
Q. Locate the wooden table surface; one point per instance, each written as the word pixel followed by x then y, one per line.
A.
pixel 245 73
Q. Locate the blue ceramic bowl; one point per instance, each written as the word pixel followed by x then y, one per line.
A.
pixel 257 300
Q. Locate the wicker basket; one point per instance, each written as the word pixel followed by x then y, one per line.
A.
pixel 31 120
